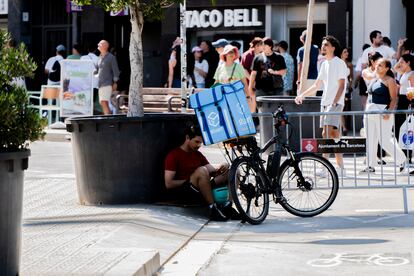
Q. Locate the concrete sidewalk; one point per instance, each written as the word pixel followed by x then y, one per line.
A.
pixel 63 237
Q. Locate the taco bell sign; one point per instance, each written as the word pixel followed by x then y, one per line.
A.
pixel 225 18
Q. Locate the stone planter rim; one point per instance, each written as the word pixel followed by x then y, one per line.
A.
pixel 124 118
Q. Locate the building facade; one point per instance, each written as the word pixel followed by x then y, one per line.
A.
pixel 42 25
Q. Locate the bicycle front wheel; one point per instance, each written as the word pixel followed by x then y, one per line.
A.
pixel 312 194
pixel 246 188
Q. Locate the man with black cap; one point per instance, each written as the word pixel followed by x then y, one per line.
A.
pixel 52 67
pixel 267 72
pixel 220 44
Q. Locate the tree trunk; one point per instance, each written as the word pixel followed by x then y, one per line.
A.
pixel 136 107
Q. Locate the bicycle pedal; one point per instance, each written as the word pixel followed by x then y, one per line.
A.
pixel 278 200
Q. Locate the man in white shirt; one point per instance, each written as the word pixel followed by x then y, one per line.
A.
pixel 50 66
pixel 377 46
pixel 94 58
pixel 332 75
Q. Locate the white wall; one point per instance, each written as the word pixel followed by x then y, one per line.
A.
pixel 387 16
pixel 398 22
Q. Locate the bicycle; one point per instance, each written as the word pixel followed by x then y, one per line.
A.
pixel 305 185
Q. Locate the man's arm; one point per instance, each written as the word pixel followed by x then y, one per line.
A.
pixel 299 72
pixel 115 71
pixel 315 87
pixel 341 87
pixel 171 65
pixel 400 48
pixel 281 72
pixel 252 82
pixel 392 87
pixel 169 180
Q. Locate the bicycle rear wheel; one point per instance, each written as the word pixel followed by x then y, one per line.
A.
pixel 246 188
pixel 316 193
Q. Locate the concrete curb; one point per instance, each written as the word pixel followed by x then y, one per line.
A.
pixel 147 261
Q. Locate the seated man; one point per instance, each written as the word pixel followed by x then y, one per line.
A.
pixel 188 173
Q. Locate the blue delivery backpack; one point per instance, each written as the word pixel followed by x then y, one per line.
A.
pixel 223 112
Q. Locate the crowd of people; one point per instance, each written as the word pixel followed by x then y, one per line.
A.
pixel 265 69
pixel 383 77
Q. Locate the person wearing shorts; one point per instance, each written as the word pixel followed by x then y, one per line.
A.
pixel 190 176
pixel 333 75
pixel 108 75
pixel 331 120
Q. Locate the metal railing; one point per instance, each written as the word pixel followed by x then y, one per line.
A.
pixel 305 125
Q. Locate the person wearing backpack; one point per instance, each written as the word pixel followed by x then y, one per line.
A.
pixel 52 67
pixel 268 69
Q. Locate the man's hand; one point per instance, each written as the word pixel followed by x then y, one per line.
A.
pixel 114 87
pixel 401 42
pixel 223 168
pixel 299 100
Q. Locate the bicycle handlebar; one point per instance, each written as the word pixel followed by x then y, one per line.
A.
pixel 280 116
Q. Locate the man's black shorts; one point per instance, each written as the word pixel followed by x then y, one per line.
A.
pixel 186 193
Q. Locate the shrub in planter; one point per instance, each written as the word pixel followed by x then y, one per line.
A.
pixel 18 125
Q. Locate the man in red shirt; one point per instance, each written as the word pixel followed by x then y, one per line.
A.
pixel 188 173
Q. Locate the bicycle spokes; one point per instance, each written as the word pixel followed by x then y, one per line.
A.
pixel 308 186
pixel 246 186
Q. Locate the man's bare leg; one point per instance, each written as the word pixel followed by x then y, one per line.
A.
pixel 105 107
pixel 201 179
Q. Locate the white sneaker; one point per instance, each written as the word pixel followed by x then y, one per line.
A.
pixel 341 171
pixel 367 170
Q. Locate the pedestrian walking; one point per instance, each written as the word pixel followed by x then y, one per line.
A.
pixel 256 47
pixel 377 46
pixel 212 58
pixel 229 70
pixel 91 56
pixel 313 63
pixel 348 94
pixel 219 47
pixel 382 96
pixel 174 65
pixel 405 68
pixel 52 67
pixel 359 81
pixel 290 67
pixel 266 78
pixel 76 52
pixel 333 75
pixel 108 75
pixel 200 69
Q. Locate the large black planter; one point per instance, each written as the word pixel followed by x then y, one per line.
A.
pixel 119 159
pixel 309 127
pixel 12 166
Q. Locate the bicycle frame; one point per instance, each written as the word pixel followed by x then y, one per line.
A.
pixel 272 177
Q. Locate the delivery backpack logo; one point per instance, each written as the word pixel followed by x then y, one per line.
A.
pixel 223 112
pixel 213 119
